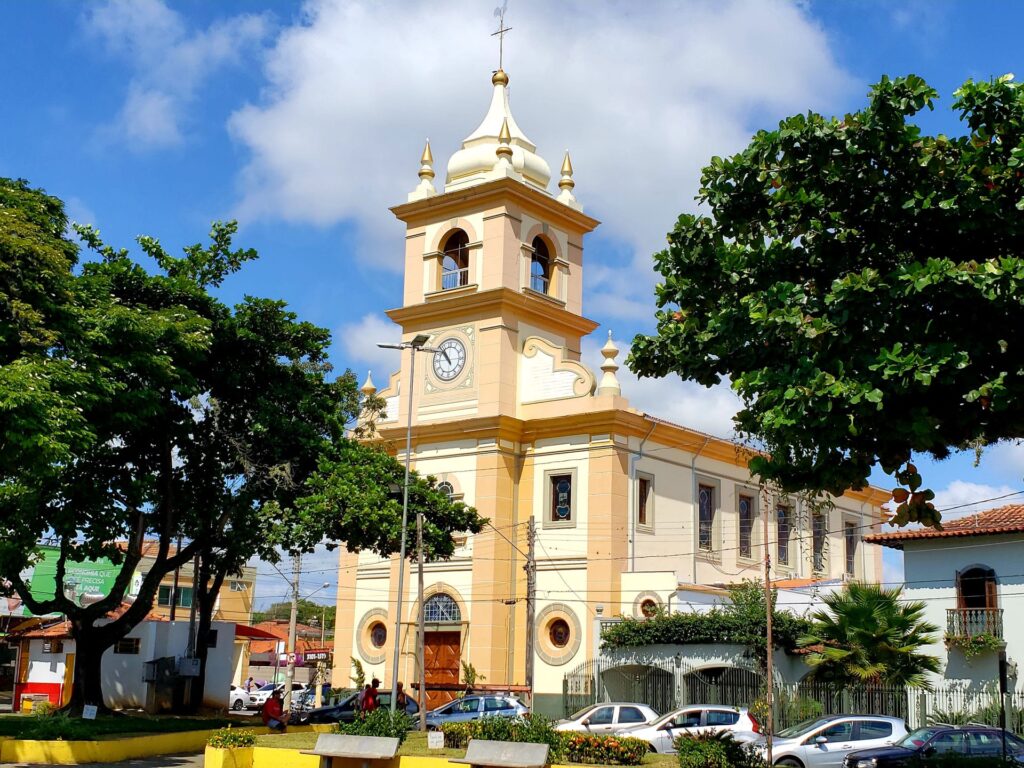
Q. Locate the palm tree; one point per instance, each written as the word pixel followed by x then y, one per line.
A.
pixel 868 635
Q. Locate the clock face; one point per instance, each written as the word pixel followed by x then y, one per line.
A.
pixel 447 369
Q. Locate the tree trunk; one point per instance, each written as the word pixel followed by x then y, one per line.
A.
pixel 87 687
pixel 206 597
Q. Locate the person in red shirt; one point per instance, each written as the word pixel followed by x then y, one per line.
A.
pixel 273 715
pixel 371 701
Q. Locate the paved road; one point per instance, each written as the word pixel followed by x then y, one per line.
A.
pixel 165 761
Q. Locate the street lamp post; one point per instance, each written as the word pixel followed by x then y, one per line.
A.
pixel 417 344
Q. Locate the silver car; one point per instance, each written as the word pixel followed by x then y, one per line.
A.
pixel 473 708
pixel 825 742
pixel 695 719
pixel 609 717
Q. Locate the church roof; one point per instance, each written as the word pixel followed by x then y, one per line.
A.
pixel 478 159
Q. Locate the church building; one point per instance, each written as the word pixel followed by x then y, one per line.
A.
pixel 631 512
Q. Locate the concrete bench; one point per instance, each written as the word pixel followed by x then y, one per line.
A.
pixel 364 748
pixel 504 754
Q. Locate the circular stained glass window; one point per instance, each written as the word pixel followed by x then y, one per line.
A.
pixel 558 632
pixel 648 608
pixel 378 635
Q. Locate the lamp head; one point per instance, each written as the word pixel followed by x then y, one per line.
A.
pixel 420 339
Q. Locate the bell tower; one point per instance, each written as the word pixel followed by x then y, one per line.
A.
pixel 491 261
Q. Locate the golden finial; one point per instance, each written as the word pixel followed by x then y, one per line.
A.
pixel 369 388
pixel 566 181
pixel 504 151
pixel 426 161
pixel 499 78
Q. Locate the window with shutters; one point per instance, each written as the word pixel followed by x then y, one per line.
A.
pixel 706 517
pixel 746 526
pixel 784 523
pixel 645 503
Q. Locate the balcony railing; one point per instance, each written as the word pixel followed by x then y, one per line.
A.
pixel 454 278
pixel 971 622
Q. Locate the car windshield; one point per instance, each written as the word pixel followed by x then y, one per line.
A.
pixel 917 738
pixel 795 731
pixel 268 687
pixel 665 718
pixel 581 713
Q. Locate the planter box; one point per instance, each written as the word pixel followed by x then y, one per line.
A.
pixel 235 757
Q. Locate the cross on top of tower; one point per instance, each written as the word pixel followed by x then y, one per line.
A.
pixel 499 13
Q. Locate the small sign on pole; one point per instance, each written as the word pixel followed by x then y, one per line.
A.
pixel 89 712
pixel 435 740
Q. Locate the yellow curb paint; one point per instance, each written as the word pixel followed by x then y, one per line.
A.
pixel 236 757
pixel 270 757
pixel 116 750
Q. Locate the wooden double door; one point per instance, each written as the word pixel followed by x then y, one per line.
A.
pixel 442 651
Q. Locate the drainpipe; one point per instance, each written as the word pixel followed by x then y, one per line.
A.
pixel 631 499
pixel 696 505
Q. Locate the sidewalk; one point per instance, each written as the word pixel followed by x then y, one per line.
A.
pixel 163 761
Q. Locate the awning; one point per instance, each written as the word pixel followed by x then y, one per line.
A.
pixel 254 633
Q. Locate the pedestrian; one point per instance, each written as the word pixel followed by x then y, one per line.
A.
pixel 273 715
pixel 361 699
pixel 371 696
pixel 248 685
pixel 401 701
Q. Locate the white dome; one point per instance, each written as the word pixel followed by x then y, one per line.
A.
pixel 476 161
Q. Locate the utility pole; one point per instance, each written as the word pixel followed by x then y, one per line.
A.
pixel 531 599
pixel 770 687
pixel 289 677
pixel 421 638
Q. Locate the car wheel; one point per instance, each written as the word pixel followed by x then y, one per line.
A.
pixel 237 706
pixel 789 762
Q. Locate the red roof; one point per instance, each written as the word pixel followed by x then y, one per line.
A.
pixel 254 633
pixel 1001 520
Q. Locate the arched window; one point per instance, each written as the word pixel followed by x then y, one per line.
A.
pixel 455 261
pixel 441 609
pixel 447 489
pixel 559 633
pixel 540 266
pixel 976 588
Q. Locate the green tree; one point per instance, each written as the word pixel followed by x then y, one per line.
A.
pixel 867 634
pixel 141 407
pixel 861 284
pixel 309 613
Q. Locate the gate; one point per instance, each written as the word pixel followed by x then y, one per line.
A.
pixel 600 680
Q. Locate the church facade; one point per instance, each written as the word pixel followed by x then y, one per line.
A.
pixel 629 511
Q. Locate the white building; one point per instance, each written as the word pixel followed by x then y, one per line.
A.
pixel 970 575
pixel 46 661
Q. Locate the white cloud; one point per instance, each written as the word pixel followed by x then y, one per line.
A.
pixel 1006 457
pixel 169 62
pixel 962 498
pixel 683 402
pixel 359 341
pixel 642 94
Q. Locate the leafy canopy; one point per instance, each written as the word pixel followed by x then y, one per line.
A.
pixel 867 634
pixel 861 284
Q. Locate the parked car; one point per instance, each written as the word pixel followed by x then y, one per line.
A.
pixel 259 697
pixel 238 698
pixel 694 719
pixel 345 710
pixel 927 746
pixel 824 742
pixel 473 707
pixel 608 718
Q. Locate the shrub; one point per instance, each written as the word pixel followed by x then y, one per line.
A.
pixel 700 754
pixel 55 726
pixel 379 722
pixel 43 709
pixel 531 730
pixel 229 738
pixel 604 750
pixel 735 753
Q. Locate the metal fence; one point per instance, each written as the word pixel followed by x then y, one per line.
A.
pixel 669 685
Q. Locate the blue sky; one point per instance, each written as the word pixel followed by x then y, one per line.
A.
pixel 305 121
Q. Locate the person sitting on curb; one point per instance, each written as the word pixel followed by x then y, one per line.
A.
pixel 273 717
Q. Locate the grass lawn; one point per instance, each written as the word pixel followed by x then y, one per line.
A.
pixel 416 745
pixel 113 726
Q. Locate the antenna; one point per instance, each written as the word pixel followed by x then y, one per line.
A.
pixel 499 14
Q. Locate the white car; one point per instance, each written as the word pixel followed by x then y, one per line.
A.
pixel 694 719
pixel 259 697
pixel 238 699
pixel 609 717
pixel 825 742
